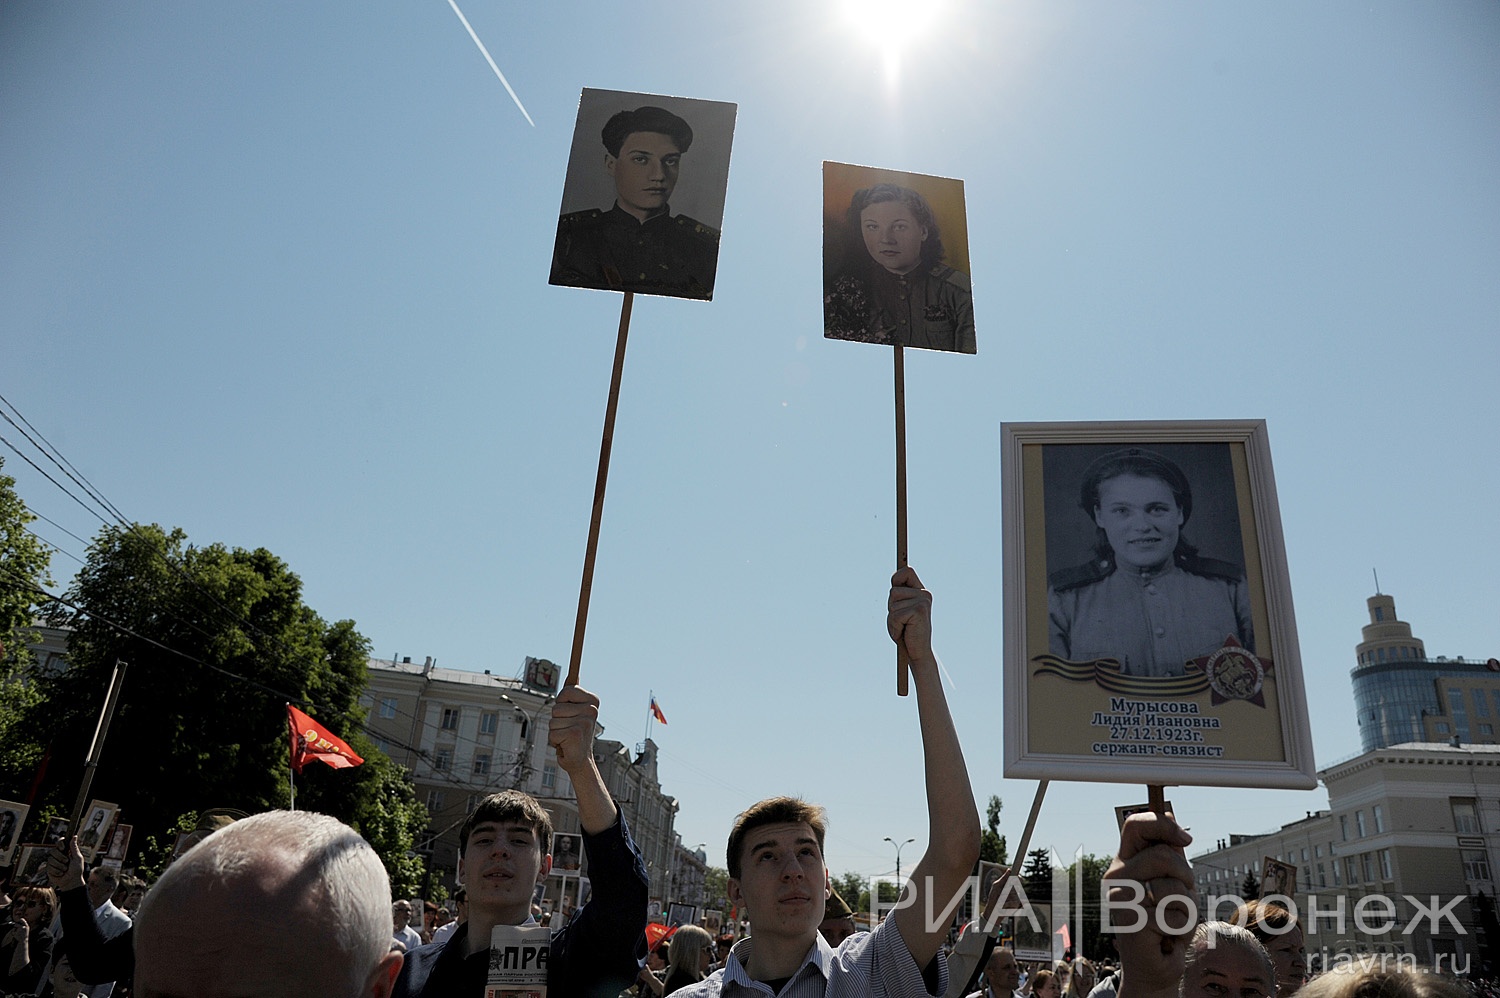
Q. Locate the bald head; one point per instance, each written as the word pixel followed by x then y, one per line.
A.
pixel 280 903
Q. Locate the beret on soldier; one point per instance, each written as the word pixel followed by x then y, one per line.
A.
pixel 836 907
pixel 645 119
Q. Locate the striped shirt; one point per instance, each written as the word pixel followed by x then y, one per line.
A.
pixel 866 965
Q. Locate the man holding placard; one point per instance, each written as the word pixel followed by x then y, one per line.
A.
pixel 503 856
pixel 778 880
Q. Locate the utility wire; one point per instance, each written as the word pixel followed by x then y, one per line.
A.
pixel 61 462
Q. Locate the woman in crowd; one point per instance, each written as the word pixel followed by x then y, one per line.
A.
pixel 1374 977
pixel 1147 600
pixel 1046 984
pixel 900 292
pixel 26 944
pixel 688 957
pixel 1279 933
pixel 1082 980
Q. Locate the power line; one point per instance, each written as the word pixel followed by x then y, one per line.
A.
pixel 62 462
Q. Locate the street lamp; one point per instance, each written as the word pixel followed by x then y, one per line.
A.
pixel 899 846
pixel 523 763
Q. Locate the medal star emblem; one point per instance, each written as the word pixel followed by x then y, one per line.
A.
pixel 1234 673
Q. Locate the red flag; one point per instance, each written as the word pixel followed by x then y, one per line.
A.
pixel 311 741
pixel 656 712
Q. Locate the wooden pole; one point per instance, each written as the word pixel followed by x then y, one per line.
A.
pixel 1036 808
pixel 901 663
pixel 96 747
pixel 600 481
pixel 1156 795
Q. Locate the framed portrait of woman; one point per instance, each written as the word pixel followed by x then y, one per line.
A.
pixel 1149 630
pixel 896 259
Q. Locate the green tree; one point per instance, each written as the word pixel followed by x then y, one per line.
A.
pixel 1090 941
pixel 1250 887
pixel 1036 875
pixel 991 842
pixel 716 889
pixel 208 727
pixel 851 886
pixel 24 563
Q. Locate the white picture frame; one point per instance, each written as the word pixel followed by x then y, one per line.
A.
pixel 1104 683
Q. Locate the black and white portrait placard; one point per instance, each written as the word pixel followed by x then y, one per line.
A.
pixel 1149 633
pixel 643 200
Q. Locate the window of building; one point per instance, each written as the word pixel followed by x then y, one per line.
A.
pixel 481 763
pixel 1344 828
pixel 1441 727
pixel 434 800
pixel 1380 654
pixel 1338 879
pixel 1465 815
pixel 1359 823
pixel 1481 705
pixel 1476 864
pixel 388 707
pixel 1351 869
pixel 1385 865
pixel 1304 855
pixel 1318 852
pixel 1487 729
pixel 488 722
pixel 442 758
pixel 1367 866
pixel 1379 613
pixel 1322 876
pixel 450 718
pixel 549 776
pixel 1379 813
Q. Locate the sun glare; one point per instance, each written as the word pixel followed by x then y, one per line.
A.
pixel 890 28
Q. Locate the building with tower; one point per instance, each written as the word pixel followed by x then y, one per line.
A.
pixel 1401 695
pixel 1412 823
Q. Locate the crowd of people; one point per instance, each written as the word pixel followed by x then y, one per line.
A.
pixel 289 902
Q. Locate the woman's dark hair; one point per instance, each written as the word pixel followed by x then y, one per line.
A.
pixel 1145 464
pixel 932 248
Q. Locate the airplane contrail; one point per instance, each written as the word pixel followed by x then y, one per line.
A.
pixel 486 53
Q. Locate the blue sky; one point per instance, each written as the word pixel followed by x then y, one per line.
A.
pixel 276 274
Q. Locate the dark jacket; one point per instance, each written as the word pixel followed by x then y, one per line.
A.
pixel 595 956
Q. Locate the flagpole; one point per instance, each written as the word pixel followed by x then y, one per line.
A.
pixel 647 734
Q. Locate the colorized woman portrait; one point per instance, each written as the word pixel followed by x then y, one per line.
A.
pixel 1146 599
pixel 887 279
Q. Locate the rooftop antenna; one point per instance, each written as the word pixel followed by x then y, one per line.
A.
pixel 1377 581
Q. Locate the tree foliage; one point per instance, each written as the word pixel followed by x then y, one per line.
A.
pixel 24 563
pixel 204 724
pixel 1089 941
pixel 854 888
pixel 1037 875
pixel 991 842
